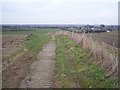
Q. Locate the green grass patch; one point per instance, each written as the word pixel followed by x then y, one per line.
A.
pixel 47 29
pixel 17 32
pixel 38 39
pixel 75 68
pixel 38 30
pixel 36 42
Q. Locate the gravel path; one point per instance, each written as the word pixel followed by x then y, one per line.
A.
pixel 42 71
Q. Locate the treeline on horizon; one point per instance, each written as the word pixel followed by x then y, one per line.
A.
pixel 69 27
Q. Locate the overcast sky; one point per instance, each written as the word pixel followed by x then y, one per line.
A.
pixel 59 11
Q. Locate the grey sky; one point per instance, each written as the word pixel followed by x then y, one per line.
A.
pixel 60 11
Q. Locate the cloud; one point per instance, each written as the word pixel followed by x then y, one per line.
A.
pixel 61 1
pixel 60 11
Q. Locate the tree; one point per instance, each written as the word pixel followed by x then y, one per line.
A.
pixel 102 25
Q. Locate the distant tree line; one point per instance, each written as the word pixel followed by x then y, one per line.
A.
pixel 17 29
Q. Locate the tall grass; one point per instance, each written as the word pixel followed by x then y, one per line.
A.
pixel 103 54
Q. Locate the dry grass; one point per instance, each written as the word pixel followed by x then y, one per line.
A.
pixel 104 55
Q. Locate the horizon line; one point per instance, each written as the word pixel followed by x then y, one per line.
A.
pixel 51 24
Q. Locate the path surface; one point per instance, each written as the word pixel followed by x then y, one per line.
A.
pixel 42 71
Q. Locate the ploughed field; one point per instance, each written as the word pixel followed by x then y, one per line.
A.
pixel 12 43
pixel 110 38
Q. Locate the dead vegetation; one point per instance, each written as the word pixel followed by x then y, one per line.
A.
pixel 104 55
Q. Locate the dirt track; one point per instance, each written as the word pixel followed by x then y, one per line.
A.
pixel 42 71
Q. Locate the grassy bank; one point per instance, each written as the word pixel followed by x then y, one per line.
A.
pixel 105 55
pixel 75 68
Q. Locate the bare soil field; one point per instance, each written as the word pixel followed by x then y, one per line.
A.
pixel 11 43
pixel 110 38
pixel 13 75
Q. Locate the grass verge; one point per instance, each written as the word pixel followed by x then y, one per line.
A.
pixel 75 68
